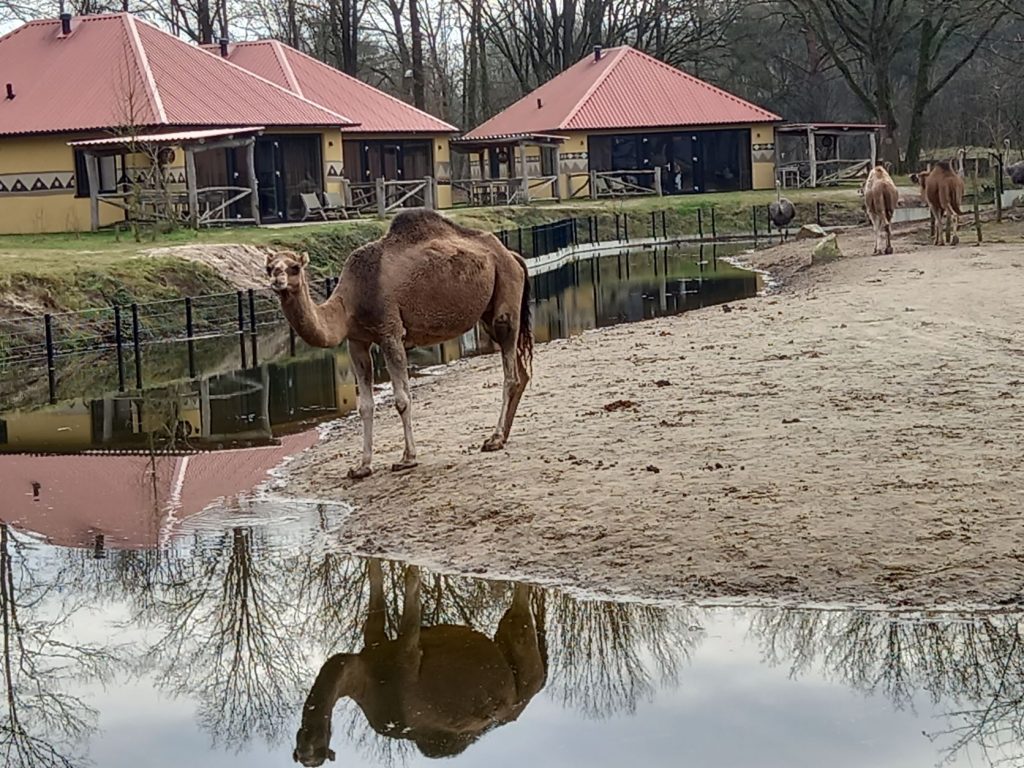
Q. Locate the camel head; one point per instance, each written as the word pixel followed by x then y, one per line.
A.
pixel 312 745
pixel 286 271
pixel 921 178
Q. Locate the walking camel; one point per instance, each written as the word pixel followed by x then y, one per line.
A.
pixel 880 199
pixel 427 280
pixel 440 687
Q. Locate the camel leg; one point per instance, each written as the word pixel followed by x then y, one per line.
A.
pixel 954 225
pixel 517 638
pixel 877 229
pixel 373 629
pixel 362 366
pixel 504 328
pixel 411 621
pixel 398 369
pixel 888 237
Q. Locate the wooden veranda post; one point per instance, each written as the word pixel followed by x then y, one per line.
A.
pixel 525 173
pixel 812 155
pixel 873 138
pixel 250 159
pixel 558 172
pixel 428 193
pixel 92 171
pixel 191 186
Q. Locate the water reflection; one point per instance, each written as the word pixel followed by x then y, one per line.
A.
pixel 214 642
pixel 231 403
pixel 440 686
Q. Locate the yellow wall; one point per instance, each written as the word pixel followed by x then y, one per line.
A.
pixel 762 140
pixel 65 428
pixel 44 157
pixel 333 161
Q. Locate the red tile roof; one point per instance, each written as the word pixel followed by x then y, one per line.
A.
pixel 85 82
pixel 374 110
pixel 625 89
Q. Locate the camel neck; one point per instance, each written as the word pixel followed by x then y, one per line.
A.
pixel 319 325
pixel 328 687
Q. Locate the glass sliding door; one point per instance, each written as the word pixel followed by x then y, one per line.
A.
pixel 286 167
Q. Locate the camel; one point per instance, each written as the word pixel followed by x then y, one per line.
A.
pixel 426 281
pixel 440 687
pixel 880 199
pixel 942 187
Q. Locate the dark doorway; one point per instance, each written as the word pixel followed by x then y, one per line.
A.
pixel 286 167
pixel 696 161
pixel 390 159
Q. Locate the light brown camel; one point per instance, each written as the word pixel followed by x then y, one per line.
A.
pixel 942 187
pixel 440 687
pixel 426 281
pixel 880 199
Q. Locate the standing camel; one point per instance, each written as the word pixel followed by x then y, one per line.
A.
pixel 880 199
pixel 426 281
pixel 942 187
pixel 440 687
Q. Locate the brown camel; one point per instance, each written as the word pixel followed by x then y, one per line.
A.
pixel 426 281
pixel 440 687
pixel 942 187
pixel 880 199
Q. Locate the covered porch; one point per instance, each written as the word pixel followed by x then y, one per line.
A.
pixel 497 170
pixel 825 154
pixel 149 187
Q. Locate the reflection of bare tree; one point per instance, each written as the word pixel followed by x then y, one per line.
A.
pixel 227 640
pixel 972 670
pixel 43 724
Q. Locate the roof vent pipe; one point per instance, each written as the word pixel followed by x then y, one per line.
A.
pixel 65 24
pixel 540 104
pixel 597 53
pixel 10 91
pixel 223 47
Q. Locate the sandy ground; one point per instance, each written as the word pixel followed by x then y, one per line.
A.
pixel 856 436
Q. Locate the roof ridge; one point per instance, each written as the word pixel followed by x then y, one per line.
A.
pixel 703 83
pixel 271 83
pixel 282 59
pixel 289 49
pixel 142 61
pixel 620 54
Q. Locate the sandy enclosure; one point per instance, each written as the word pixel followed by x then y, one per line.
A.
pixel 855 436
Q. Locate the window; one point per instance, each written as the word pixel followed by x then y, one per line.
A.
pixel 111 171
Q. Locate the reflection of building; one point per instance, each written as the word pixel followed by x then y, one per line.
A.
pixel 128 501
pixel 246 406
pixel 628 116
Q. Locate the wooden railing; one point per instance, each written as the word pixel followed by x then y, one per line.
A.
pixel 382 196
pixel 213 205
pixel 498 192
pixel 604 184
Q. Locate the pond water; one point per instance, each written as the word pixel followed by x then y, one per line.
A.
pixel 232 405
pixel 203 651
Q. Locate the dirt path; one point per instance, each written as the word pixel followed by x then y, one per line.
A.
pixel 856 437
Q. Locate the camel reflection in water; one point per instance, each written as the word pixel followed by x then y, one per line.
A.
pixel 440 687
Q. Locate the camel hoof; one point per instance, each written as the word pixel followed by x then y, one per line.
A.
pixel 493 443
pixel 360 473
pixel 955 240
pixel 404 466
pixel 888 250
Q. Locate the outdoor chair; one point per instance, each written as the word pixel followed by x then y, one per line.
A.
pixel 313 209
pixel 334 203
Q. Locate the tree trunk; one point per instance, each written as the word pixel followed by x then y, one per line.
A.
pixel 419 93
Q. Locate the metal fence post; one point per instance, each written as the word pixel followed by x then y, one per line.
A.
pixel 119 342
pixel 241 329
pixel 625 226
pixel 654 225
pixel 137 345
pixel 700 223
pixel 664 226
pixel 51 373
pixel 714 229
pixel 817 212
pixel 753 218
pixel 189 338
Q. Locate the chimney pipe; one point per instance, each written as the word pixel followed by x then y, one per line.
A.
pixel 65 24
pixel 10 91
pixel 540 103
pixel 223 47
pixel 597 53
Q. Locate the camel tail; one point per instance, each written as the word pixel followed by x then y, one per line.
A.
pixel 524 341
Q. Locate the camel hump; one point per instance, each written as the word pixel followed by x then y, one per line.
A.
pixel 423 224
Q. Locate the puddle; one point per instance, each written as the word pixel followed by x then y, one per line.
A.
pixel 238 407
pixel 204 652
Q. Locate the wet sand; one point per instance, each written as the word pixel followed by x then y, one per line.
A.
pixel 857 435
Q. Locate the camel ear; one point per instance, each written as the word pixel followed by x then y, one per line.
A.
pixel 303 259
pixel 295 755
pixel 270 258
pixel 330 755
